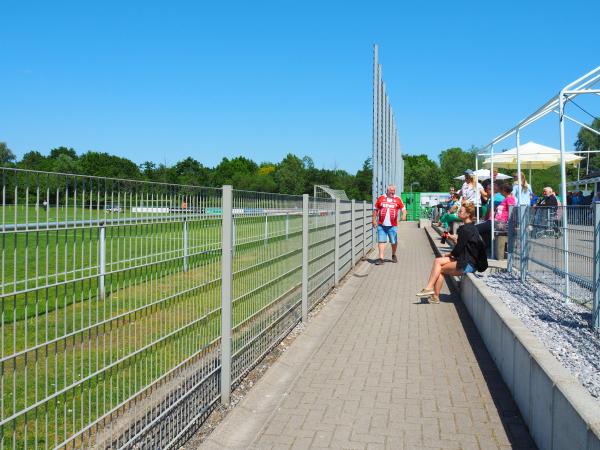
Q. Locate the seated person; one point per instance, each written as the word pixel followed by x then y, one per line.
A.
pixel 462 259
pixel 486 209
pixel 546 211
pixel 451 215
pixel 500 217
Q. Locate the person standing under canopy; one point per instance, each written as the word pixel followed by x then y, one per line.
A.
pixel 523 192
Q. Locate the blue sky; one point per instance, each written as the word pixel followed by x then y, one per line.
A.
pixel 162 81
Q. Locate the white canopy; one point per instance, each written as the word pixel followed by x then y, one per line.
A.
pixel 532 156
pixel 484 174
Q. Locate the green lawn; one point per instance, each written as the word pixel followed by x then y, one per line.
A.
pixel 98 351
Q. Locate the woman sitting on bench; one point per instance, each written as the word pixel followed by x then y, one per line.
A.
pixel 463 258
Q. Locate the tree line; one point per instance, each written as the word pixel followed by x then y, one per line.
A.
pixel 292 175
pixel 435 177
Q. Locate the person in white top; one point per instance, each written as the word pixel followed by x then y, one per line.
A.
pixel 472 191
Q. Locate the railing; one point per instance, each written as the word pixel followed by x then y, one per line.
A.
pixel 559 247
pixel 129 309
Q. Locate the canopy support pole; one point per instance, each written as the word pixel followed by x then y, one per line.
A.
pixel 563 193
pixel 492 181
pixel 478 198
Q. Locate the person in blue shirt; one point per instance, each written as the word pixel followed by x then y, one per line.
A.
pixel 522 193
pixel 498 197
pixel 534 199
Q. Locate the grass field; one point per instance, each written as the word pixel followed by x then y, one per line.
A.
pixel 70 354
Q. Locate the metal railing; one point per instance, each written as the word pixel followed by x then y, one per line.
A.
pixel 129 309
pixel 562 257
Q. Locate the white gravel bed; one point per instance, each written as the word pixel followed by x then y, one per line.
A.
pixel 563 328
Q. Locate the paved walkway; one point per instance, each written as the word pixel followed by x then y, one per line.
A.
pixel 379 369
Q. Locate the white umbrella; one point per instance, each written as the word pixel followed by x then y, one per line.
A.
pixel 532 156
pixel 484 174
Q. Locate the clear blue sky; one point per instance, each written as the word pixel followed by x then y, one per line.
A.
pixel 162 81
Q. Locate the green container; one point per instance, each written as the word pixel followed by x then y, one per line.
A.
pixel 412 201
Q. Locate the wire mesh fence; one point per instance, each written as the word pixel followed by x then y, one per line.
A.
pixel 557 246
pixel 112 300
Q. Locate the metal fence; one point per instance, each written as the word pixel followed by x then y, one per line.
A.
pixel 129 309
pixel 559 247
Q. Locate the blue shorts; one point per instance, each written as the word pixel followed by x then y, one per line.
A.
pixel 469 268
pixel 383 233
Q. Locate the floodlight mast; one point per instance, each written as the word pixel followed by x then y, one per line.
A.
pixel 388 167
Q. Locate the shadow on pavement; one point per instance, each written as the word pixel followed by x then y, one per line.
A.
pixel 513 424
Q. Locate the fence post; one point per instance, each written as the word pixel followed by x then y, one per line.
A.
pixel 565 225
pixel 305 230
pixel 352 233
pixel 226 285
pixel 101 280
pixel 336 263
pixel 596 305
pixel 523 222
pixel 287 225
pixel 266 227
pixel 374 231
pixel 185 245
pixel 364 234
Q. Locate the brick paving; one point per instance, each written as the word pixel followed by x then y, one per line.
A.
pixel 390 372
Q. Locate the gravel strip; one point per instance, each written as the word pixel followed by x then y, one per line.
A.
pixel 563 328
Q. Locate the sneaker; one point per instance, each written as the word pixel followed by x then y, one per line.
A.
pixel 425 293
pixel 434 299
pixel 394 259
pixel 379 262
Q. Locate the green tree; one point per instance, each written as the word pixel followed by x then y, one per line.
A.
pixel 64 163
pixel 34 160
pixel 364 181
pixel 102 164
pixel 291 175
pixel 419 168
pixel 55 153
pixel 189 171
pixel 6 155
pixel 453 162
pixel 238 172
pixel 586 141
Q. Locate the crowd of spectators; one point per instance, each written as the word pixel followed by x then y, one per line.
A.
pixel 546 207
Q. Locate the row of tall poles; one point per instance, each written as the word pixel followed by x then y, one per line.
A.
pixel 388 167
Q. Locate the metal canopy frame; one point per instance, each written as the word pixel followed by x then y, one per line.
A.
pixel 388 166
pixel 582 85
